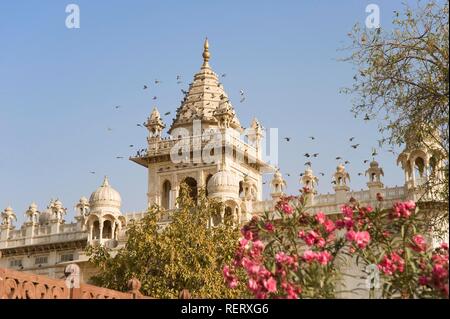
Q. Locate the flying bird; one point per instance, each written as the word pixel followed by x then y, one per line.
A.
pixel 306 155
pixel 346 162
pixel 287 139
pixel 155 97
pixel 242 100
pixel 157 81
pixel 92 172
pixel 145 87
pixel 360 174
pixel 224 75
pixel 131 145
pixel 351 138
pixel 167 113
pixel 323 174
pixel 117 107
pixel 308 163
pixel 365 161
pixel 312 137
pixel 119 157
pixel 315 154
pixel 355 146
pixel 392 151
pixel 366 117
pixel 338 158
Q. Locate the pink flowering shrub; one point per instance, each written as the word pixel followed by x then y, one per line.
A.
pixel 294 254
pixel 291 255
pixel 394 240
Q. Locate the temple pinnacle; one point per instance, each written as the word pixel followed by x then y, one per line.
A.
pixel 206 54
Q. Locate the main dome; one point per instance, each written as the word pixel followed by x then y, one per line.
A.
pixel 105 196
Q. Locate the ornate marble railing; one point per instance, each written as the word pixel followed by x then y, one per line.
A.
pixel 46 239
pixel 165 145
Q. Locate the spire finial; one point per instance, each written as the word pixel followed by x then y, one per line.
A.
pixel 105 182
pixel 206 54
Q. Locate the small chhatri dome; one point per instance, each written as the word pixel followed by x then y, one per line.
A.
pixel 84 200
pixel 225 183
pixel 105 196
pixel 374 164
pixel 340 168
pixel 278 181
pixel 45 216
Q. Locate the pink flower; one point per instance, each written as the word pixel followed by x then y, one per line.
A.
pixel 329 226
pixel 280 257
pixel 226 271
pixel 402 209
pixel 283 259
pixel 243 242
pixel 439 271
pixel 311 237
pixel 347 211
pixel 269 227
pixel 351 234
pixel 444 246
pixel 257 247
pixel 270 284
pixel 392 263
pixel 291 291
pixel 286 208
pixel 320 242
pixel 233 283
pixel 324 257
pixel 410 205
pixel 419 243
pixel 423 280
pixel 320 217
pixel 309 256
pixel 253 284
pixel 248 234
pixel 362 239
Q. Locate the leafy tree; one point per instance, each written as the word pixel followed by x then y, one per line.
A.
pixel 169 251
pixel 402 78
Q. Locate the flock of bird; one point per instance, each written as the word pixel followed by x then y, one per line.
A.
pixel 310 156
pixel 145 87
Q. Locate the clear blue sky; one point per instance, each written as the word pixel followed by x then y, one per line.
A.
pixel 58 87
